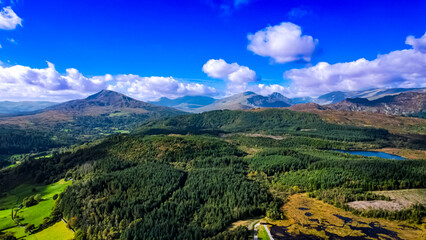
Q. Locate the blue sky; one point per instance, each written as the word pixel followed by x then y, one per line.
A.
pixel 150 49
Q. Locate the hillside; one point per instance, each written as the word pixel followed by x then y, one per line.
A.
pixel 268 121
pixel 372 94
pixel 247 100
pixel 408 103
pixel 103 113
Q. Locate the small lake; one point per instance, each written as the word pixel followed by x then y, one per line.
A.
pixel 374 154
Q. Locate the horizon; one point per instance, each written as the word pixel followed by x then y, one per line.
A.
pixel 180 97
pixel 209 48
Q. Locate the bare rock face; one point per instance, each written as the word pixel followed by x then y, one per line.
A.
pixel 407 103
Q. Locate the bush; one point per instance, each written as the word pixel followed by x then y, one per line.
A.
pixel 55 196
pixel 29 227
pixel 29 201
pixel 37 197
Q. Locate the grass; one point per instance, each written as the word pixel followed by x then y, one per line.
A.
pixel 18 232
pixel 305 215
pixel 261 233
pixel 33 214
pixel 122 131
pixel 412 196
pixel 6 219
pixel 45 156
pixel 58 231
pixel 7 167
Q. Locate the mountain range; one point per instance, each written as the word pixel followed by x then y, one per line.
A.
pixel 249 100
pixel 8 107
pixel 371 94
pixel 397 101
pixel 406 104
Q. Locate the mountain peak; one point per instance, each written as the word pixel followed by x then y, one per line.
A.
pixel 105 94
pixel 248 93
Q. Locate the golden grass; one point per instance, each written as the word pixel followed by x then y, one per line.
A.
pixel 405 153
pixel 325 214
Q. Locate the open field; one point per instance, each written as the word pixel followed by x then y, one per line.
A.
pixel 401 199
pixel 58 231
pixel 33 214
pixel 310 218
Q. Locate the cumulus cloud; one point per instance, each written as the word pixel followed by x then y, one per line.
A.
pixel 404 68
pixel 236 77
pixel 8 19
pixel 418 44
pixel 265 89
pixel 283 43
pixel 20 83
pixel 151 88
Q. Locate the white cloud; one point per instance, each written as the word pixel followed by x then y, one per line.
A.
pixel 264 89
pixel 8 19
pixel 19 83
pixel 236 77
pixel 151 88
pixel 418 44
pixel 283 43
pixel 404 68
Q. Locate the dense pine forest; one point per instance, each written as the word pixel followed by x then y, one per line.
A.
pixel 191 176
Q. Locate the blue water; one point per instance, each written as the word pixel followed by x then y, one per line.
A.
pixel 374 154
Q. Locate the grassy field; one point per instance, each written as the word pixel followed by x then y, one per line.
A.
pixel 58 231
pixel 33 214
pixel 310 218
pixel 405 153
pixel 261 233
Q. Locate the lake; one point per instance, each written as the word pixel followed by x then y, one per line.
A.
pixel 374 154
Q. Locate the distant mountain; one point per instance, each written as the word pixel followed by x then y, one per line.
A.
pixel 406 103
pixel 372 94
pixel 8 107
pixel 105 102
pixel 105 112
pixel 187 103
pixel 300 100
pixel 247 100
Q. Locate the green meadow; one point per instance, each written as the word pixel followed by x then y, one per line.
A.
pixel 28 215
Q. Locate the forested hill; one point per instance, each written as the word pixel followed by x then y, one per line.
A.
pixel 270 121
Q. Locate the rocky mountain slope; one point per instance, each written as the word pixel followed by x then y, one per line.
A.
pixel 247 100
pixel 407 103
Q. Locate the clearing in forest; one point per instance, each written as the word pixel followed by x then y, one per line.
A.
pixel 400 199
